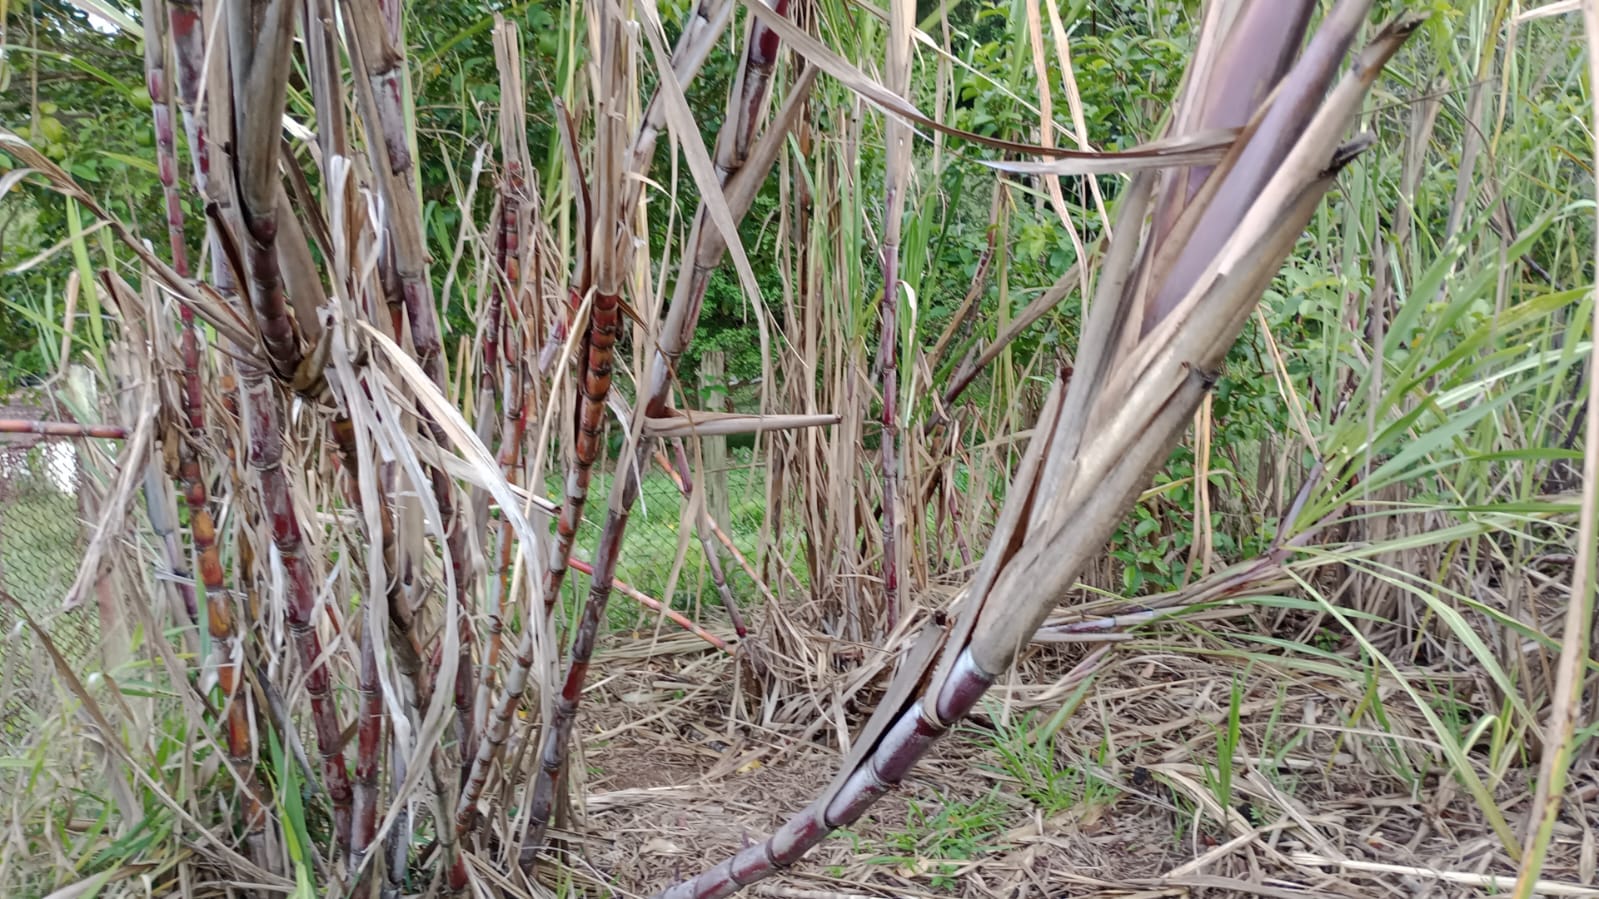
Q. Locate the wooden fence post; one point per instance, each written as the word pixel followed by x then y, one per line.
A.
pixel 714 396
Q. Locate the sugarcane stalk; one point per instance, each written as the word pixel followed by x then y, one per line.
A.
pixel 507 323
pixel 492 739
pixel 185 29
pixel 260 38
pixel 741 163
pixel 218 599
pixel 372 36
pixel 655 605
pixel 701 30
pixel 160 90
pixel 263 422
pixel 1098 439
pixel 557 732
pixel 603 268
pixel 896 168
pixel 158 501
pixel 186 33
pixel 684 486
pixel 187 37
pixel 368 756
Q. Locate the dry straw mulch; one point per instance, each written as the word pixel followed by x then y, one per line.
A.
pixel 680 772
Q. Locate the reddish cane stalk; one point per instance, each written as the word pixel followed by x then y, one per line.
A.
pixel 368 754
pixel 372 36
pixel 495 734
pixel 260 38
pixel 703 524
pixel 552 755
pixel 733 151
pixel 653 604
pixel 187 39
pixel 263 416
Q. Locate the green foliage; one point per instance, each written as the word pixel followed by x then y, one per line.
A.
pixel 78 94
pixel 936 841
pixel 1032 762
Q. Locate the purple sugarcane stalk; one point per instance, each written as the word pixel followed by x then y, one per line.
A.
pixel 492 740
pixel 218 599
pixel 368 757
pixel 405 644
pixel 552 754
pixel 751 92
pixel 260 39
pixel 155 81
pixel 372 31
pixel 185 30
pixel 507 343
pixel 263 419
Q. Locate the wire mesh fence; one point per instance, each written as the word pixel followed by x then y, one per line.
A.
pixel 42 541
pixel 660 530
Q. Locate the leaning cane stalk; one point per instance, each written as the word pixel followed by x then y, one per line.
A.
pixel 741 163
pixel 685 487
pixel 61 429
pixel 607 236
pixel 1097 440
pixel 702 530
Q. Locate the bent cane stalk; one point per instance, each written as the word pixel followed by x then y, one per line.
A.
pixel 686 487
pixel 741 164
pixel 1097 441
pixel 703 526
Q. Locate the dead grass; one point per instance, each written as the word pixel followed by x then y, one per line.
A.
pixel 681 773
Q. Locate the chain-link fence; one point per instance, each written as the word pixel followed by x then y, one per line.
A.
pixel 42 542
pixel 657 529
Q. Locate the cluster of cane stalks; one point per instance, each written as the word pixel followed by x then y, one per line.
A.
pixel 351 497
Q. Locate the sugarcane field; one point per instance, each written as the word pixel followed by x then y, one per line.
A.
pixel 806 449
